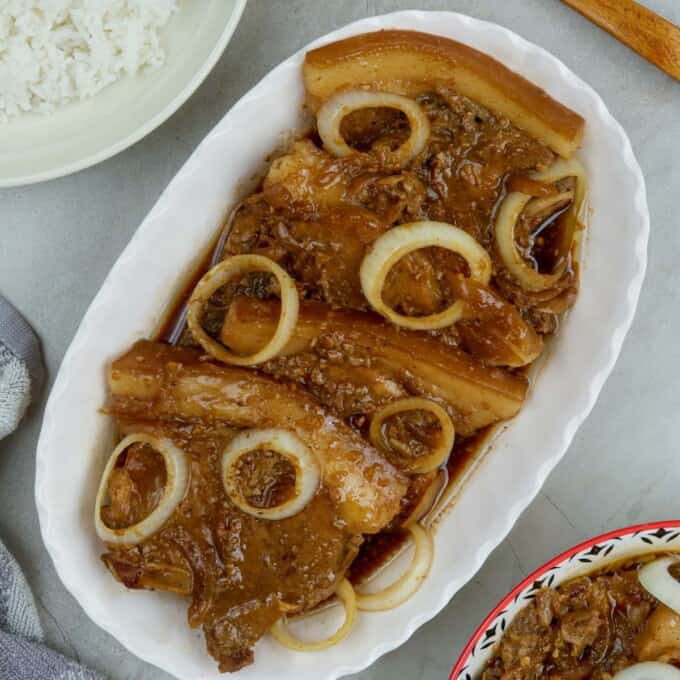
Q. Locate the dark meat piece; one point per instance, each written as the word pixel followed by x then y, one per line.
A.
pixel 375 362
pixel 317 215
pixel 580 629
pixel 591 627
pixel 166 383
pixel 242 573
pixel 375 129
pixel 266 478
pixel 136 485
pixel 323 253
pixel 492 329
pixel 470 153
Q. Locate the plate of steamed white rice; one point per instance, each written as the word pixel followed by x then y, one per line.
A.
pixel 81 80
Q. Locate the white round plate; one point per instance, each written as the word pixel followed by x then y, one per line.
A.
pixel 37 147
pixel 75 436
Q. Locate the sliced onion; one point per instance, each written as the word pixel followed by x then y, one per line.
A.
pixel 657 581
pixel 332 113
pixel 422 511
pixel 389 248
pixel 649 670
pixel 510 210
pixel 345 593
pixel 409 582
pixel 286 444
pixel 539 205
pixel 177 477
pixel 421 464
pixel 220 275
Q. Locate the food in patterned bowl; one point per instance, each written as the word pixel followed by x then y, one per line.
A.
pixel 607 608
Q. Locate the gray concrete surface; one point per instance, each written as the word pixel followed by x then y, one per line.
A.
pixel 59 239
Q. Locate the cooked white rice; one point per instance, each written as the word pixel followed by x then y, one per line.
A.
pixel 56 51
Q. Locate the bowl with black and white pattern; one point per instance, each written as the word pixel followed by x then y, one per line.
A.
pixel 592 555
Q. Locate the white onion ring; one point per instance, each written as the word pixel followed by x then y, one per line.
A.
pixel 434 459
pixel 345 593
pixel 307 475
pixel 537 205
pixel 221 274
pixel 509 212
pixel 332 113
pixel 657 581
pixel 429 500
pixel 177 477
pixel 389 248
pixel 409 582
pixel 649 670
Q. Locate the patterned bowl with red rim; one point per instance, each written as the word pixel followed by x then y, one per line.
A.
pixel 591 555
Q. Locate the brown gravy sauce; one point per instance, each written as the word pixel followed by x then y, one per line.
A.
pixel 380 548
pixel 529 645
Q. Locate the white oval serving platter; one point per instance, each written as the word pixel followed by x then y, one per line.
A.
pixel 75 436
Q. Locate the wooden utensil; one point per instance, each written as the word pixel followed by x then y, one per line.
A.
pixel 651 36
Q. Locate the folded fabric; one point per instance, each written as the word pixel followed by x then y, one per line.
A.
pixel 21 368
pixel 22 656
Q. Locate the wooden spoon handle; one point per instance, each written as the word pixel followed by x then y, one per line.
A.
pixel 651 36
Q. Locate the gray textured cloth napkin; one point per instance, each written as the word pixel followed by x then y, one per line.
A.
pixel 21 367
pixel 22 654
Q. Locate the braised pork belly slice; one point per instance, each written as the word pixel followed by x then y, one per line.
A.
pixel 324 256
pixel 459 177
pixel 412 63
pixel 318 216
pixel 154 380
pixel 241 572
pixel 354 362
pixel 322 251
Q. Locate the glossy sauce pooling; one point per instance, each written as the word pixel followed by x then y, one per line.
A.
pixel 316 216
pixel 377 550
